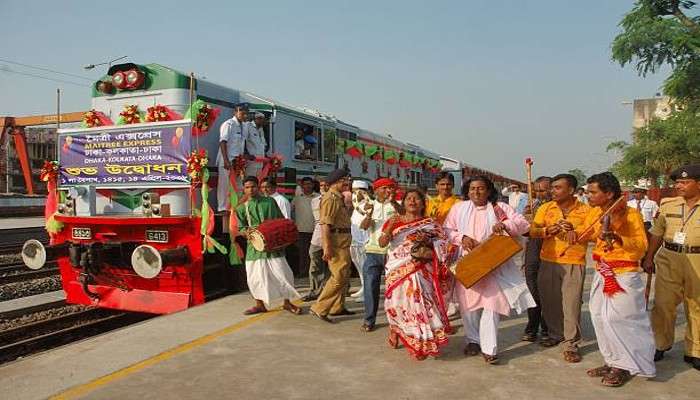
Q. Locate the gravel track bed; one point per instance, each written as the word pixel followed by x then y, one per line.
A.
pixel 6 324
pixel 30 288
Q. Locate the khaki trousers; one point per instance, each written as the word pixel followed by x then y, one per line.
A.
pixel 561 291
pixel 332 297
pixel 677 280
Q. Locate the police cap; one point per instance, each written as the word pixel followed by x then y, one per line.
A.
pixel 687 172
pixel 336 175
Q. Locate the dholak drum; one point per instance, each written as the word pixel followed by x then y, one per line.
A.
pixel 273 235
pixel 484 258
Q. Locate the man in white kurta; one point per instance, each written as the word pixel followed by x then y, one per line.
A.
pixel 232 137
pixel 255 144
pixel 268 274
pixel 268 187
pixel 359 236
pixel 468 224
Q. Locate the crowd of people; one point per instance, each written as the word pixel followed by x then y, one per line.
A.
pixel 415 244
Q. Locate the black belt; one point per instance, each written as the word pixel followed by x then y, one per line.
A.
pixel 681 248
pixel 340 230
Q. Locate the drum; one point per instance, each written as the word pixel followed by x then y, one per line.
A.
pixel 485 258
pixel 273 235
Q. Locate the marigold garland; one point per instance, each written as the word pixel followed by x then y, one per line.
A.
pixel 130 115
pixel 49 171
pixel 196 163
pixel 158 113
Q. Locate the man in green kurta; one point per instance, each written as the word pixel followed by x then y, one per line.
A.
pixel 268 274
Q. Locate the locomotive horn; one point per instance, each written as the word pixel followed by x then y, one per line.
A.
pixel 147 261
pixel 35 254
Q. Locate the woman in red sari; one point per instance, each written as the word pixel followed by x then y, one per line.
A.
pixel 416 263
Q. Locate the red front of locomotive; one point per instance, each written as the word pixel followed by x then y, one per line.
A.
pixel 150 265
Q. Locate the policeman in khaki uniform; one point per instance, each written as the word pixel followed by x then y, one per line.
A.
pixel 676 236
pixel 335 225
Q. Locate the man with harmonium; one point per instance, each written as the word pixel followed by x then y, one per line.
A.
pixel 617 303
pixel 473 223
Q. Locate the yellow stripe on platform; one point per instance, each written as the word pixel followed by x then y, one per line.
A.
pixel 82 390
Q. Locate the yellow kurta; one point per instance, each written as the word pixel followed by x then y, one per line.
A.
pixel 438 209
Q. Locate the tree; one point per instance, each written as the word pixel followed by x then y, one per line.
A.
pixel 580 176
pixel 660 32
pixel 659 148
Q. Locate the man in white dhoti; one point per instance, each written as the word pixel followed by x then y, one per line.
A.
pixel 617 303
pixel 360 197
pixel 468 224
pixel 269 275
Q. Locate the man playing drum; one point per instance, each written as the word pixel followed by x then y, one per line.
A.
pixel 269 275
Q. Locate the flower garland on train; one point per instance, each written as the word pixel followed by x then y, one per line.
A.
pixel 130 115
pixel 49 174
pixel 160 113
pixel 203 116
pixel 199 176
pixel 93 119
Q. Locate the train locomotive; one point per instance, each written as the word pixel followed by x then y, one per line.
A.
pixel 127 219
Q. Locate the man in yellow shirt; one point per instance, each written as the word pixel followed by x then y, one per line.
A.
pixel 617 304
pixel 561 275
pixel 439 206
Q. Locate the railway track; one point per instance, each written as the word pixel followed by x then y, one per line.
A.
pixel 18 272
pixel 49 333
pixel 11 240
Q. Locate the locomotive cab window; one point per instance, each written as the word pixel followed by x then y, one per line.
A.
pixel 307 143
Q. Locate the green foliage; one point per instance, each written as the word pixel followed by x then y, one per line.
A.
pixel 659 148
pixel 579 174
pixel 657 33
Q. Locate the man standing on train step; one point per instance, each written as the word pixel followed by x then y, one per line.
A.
pixel 255 144
pixel 335 225
pixel 562 270
pixel 269 276
pixel 232 138
pixel 677 231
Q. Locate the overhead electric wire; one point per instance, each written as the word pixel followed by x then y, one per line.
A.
pixel 42 77
pixel 46 70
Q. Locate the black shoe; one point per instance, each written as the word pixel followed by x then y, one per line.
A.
pixel 345 311
pixel 693 361
pixel 367 327
pixel 321 317
pixel 309 297
pixel 659 355
pixel 529 337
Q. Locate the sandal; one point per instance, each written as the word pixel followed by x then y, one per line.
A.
pixel 571 356
pixel 490 359
pixel 616 377
pixel 255 310
pixel 367 327
pixel 293 309
pixel 549 342
pixel 598 372
pixel 472 349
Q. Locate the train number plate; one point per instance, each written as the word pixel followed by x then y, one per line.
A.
pixel 157 236
pixel 82 233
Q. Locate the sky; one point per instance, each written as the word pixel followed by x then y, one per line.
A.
pixel 487 82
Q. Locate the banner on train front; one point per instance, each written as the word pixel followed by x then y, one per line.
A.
pixel 153 154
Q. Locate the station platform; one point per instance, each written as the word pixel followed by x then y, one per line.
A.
pixel 16 307
pixel 21 222
pixel 213 351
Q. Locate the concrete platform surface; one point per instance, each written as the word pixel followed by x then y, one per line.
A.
pixel 213 352
pixel 21 222
pixel 8 307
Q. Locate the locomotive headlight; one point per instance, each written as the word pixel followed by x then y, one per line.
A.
pixel 119 80
pixel 146 261
pixel 33 254
pixel 134 78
